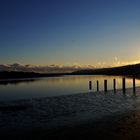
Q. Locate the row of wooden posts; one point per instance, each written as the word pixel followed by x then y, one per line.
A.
pixel 114 85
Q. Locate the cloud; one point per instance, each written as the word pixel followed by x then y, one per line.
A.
pixel 62 68
pixel 116 58
pixel 43 69
pixel 117 62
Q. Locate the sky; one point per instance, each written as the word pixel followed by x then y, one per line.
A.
pixel 99 33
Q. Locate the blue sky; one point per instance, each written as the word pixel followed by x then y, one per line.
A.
pixel 70 32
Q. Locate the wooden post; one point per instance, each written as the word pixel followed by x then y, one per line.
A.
pixel 114 84
pixel 97 85
pixel 123 84
pixel 105 85
pixel 90 85
pixel 134 85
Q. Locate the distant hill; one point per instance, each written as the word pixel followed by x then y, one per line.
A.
pixel 16 75
pixel 122 70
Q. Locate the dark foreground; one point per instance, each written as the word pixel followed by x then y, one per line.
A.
pixel 125 127
pixel 83 116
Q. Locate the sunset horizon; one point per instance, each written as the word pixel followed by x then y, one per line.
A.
pixel 83 32
pixel 58 68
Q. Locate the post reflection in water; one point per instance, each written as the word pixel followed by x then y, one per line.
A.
pixel 57 86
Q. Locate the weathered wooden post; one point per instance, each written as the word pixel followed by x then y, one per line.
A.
pixel 97 85
pixel 105 85
pixel 134 85
pixel 123 84
pixel 90 85
pixel 114 85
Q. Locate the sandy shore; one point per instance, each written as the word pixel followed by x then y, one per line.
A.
pixel 124 127
pixel 82 116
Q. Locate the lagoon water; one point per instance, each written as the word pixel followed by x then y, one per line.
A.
pixel 56 86
pixel 65 104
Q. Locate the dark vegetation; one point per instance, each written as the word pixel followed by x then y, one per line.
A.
pixel 16 75
pixel 133 70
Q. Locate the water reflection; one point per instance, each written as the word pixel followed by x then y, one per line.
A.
pixel 57 86
pixel 16 82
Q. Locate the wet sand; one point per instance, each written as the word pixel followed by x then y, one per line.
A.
pixel 124 127
pixel 82 116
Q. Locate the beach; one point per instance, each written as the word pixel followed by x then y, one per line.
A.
pixel 92 115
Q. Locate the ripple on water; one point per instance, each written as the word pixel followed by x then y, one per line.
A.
pixel 53 112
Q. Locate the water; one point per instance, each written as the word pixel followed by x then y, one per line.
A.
pixel 55 86
pixel 76 107
pixel 68 111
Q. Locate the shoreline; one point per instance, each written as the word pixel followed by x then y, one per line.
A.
pixel 12 75
pixel 73 116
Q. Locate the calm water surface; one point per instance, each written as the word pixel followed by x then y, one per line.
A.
pixel 55 86
pixel 79 107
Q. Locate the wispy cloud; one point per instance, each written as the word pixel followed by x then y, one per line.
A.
pixel 63 68
pixel 43 69
pixel 118 62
